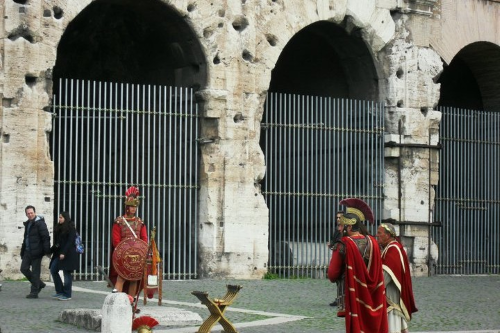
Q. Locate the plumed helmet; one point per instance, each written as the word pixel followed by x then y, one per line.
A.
pixel 132 196
pixel 359 208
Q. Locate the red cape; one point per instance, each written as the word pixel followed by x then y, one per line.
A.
pixel 395 263
pixel 365 304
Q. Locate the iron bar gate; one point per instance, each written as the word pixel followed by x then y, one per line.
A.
pixel 109 136
pixel 318 151
pixel 468 197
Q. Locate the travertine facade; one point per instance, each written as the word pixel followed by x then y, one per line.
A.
pixel 241 42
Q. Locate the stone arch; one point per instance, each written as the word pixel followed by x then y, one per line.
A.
pixel 305 175
pixel 372 26
pixel 460 25
pixel 324 59
pixel 149 46
pixel 470 80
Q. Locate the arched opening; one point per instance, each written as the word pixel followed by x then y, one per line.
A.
pixel 124 82
pixel 467 197
pixel 141 42
pixel 323 59
pixel 471 81
pixel 321 135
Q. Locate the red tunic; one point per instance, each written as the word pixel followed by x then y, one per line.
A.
pixel 365 305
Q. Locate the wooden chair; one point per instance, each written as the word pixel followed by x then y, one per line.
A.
pixel 217 307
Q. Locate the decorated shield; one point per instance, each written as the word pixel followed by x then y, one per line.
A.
pixel 129 258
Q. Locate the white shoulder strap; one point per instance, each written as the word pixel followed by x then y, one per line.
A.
pixel 128 225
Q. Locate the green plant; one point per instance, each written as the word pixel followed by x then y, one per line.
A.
pixel 271 276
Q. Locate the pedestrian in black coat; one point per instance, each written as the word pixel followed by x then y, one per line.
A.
pixel 64 256
pixel 36 244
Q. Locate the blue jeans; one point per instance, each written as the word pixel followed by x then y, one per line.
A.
pixel 63 289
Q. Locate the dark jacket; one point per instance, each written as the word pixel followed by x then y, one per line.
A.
pixel 39 238
pixel 64 243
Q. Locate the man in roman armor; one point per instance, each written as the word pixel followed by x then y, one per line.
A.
pixel 129 247
pixel 356 264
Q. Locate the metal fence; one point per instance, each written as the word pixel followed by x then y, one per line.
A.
pixel 468 194
pixel 109 136
pixel 318 151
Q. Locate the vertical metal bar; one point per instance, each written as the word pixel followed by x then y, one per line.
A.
pixel 320 189
pixel 174 201
pixel 456 222
pixel 303 109
pixel 278 156
pixel 285 197
pixel 330 170
pixel 301 206
pixel 184 155
pixel 190 121
pixel 70 169
pixel 284 201
pixel 147 151
pixel 83 152
pixel 100 149
pixel 160 225
pixel 482 173
pixel 195 199
pixel 268 153
pixel 495 185
pixel 165 206
pixel 151 171
pixel 89 192
pixel 171 212
pixel 317 219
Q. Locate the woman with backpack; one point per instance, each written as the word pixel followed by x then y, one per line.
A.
pixel 64 256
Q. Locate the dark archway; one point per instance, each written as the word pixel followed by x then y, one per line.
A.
pixel 471 79
pixel 323 59
pixel 144 42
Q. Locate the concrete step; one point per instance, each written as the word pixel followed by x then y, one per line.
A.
pixel 166 316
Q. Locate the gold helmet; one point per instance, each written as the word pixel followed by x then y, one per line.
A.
pixel 357 211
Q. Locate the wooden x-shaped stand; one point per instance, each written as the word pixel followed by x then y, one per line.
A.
pixel 217 307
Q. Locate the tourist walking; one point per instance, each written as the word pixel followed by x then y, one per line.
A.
pixel 36 244
pixel 64 256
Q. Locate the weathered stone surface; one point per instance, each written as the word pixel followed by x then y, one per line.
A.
pixel 116 314
pixel 166 316
pixel 86 318
pixel 240 44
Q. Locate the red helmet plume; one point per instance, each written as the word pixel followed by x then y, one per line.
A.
pixel 132 196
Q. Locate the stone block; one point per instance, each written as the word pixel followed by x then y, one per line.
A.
pixel 89 319
pixel 391 152
pixel 116 314
pixel 391 214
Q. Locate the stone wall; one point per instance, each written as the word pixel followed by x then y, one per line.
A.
pixel 242 41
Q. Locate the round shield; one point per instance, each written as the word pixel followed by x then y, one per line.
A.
pixel 129 258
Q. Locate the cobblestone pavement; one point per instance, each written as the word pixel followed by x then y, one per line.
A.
pixel 445 303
